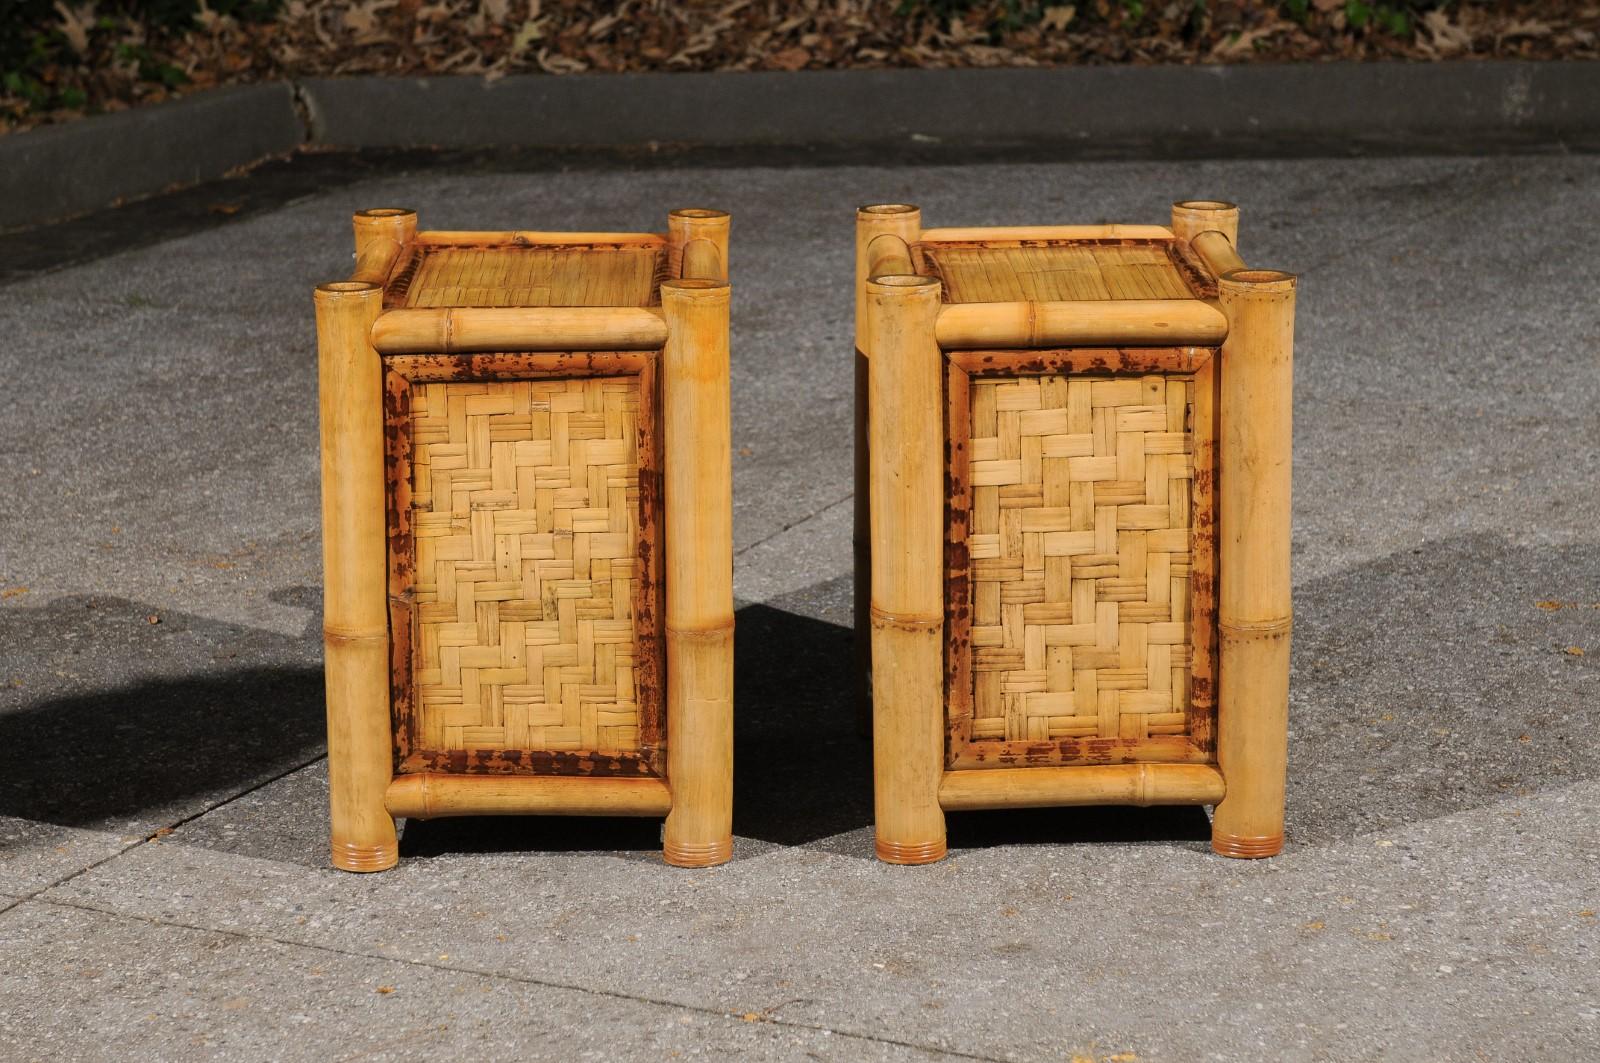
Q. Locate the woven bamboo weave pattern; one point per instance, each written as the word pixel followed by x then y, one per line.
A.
pixel 511 276
pixel 1080 555
pixel 1048 273
pixel 526 516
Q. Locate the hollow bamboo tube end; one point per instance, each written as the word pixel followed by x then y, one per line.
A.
pixel 344 291
pixel 708 854
pixel 696 288
pixel 1258 281
pixel 688 224
pixel 1191 217
pixel 347 856
pixel 878 210
pixel 896 853
pixel 395 223
pixel 1241 848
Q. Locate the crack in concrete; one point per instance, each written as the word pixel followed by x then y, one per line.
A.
pixel 506 976
pixel 793 525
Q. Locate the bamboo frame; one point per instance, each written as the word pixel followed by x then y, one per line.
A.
pixel 355 612
pixel 427 795
pixel 530 238
pixel 698 490
pixel 450 330
pixel 686 226
pixel 903 222
pixel 381 235
pixel 1122 322
pixel 1255 610
pixel 1098 784
pixel 907 440
pixel 702 262
pixel 1234 337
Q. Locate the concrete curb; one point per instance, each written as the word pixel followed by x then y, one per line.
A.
pixel 1073 112
pixel 1263 109
pixel 58 171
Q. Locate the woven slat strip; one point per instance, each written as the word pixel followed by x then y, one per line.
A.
pixel 520 276
pixel 1048 273
pixel 526 500
pixel 1080 556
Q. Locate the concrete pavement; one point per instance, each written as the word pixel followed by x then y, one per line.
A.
pixel 162 879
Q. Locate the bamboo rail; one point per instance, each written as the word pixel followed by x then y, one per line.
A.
pixel 1216 252
pixel 698 489
pixel 427 795
pixel 1046 232
pixel 1092 784
pixel 355 606
pixel 527 238
pixel 694 223
pixel 903 222
pixel 888 254
pixel 702 262
pixel 1254 604
pixel 1191 217
pixel 905 382
pixel 1122 322
pixel 454 330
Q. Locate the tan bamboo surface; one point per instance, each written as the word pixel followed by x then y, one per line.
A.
pixel 701 261
pixel 452 330
pixel 1080 548
pixel 905 370
pixel 1255 612
pixel 355 611
pixel 1118 322
pixel 1191 217
pixel 1216 252
pixel 426 795
pixel 509 276
pixel 1097 784
pixel 525 517
pixel 521 238
pixel 696 223
pixel 381 236
pixel 889 254
pixel 698 494
pixel 903 222
pixel 1057 272
pixel 1003 233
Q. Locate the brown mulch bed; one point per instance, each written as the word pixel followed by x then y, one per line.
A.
pixel 103 62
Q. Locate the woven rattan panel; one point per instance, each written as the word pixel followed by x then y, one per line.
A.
pixel 1080 556
pixel 526 503
pixel 1047 273
pixel 512 276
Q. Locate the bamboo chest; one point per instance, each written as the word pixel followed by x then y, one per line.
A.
pixel 1073 567
pixel 527 529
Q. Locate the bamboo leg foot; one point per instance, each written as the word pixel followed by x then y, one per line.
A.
pixel 365 858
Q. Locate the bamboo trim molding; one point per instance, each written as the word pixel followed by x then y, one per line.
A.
pixel 430 795
pixel 447 330
pixel 1109 784
pixel 1123 322
pixel 1216 252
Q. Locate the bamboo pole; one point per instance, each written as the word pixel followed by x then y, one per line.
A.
pixel 888 254
pixel 903 221
pixel 447 330
pixel 355 571
pixel 1191 217
pixel 1216 252
pixel 702 262
pixel 694 223
pixel 528 238
pixel 427 795
pixel 698 490
pixel 905 372
pixel 381 234
pixel 1254 607
pixel 1113 322
pixel 1094 784
pixel 1046 232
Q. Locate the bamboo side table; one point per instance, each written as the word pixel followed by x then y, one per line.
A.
pixel 527 530
pixel 1076 555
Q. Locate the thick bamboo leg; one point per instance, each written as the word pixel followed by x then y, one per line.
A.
pixel 698 484
pixel 1191 217
pixel 355 614
pixel 904 221
pixel 907 609
pixel 1254 609
pixel 694 223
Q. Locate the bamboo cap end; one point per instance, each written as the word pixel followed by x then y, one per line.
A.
pixel 705 854
pixel 386 212
pixel 694 288
pixel 348 856
pixel 697 213
pixel 1243 848
pixel 342 290
pixel 1259 281
pixel 899 853
pixel 1204 206
pixel 903 284
pixel 878 209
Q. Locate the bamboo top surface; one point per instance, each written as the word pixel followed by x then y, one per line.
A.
pixel 1057 270
pixel 510 276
